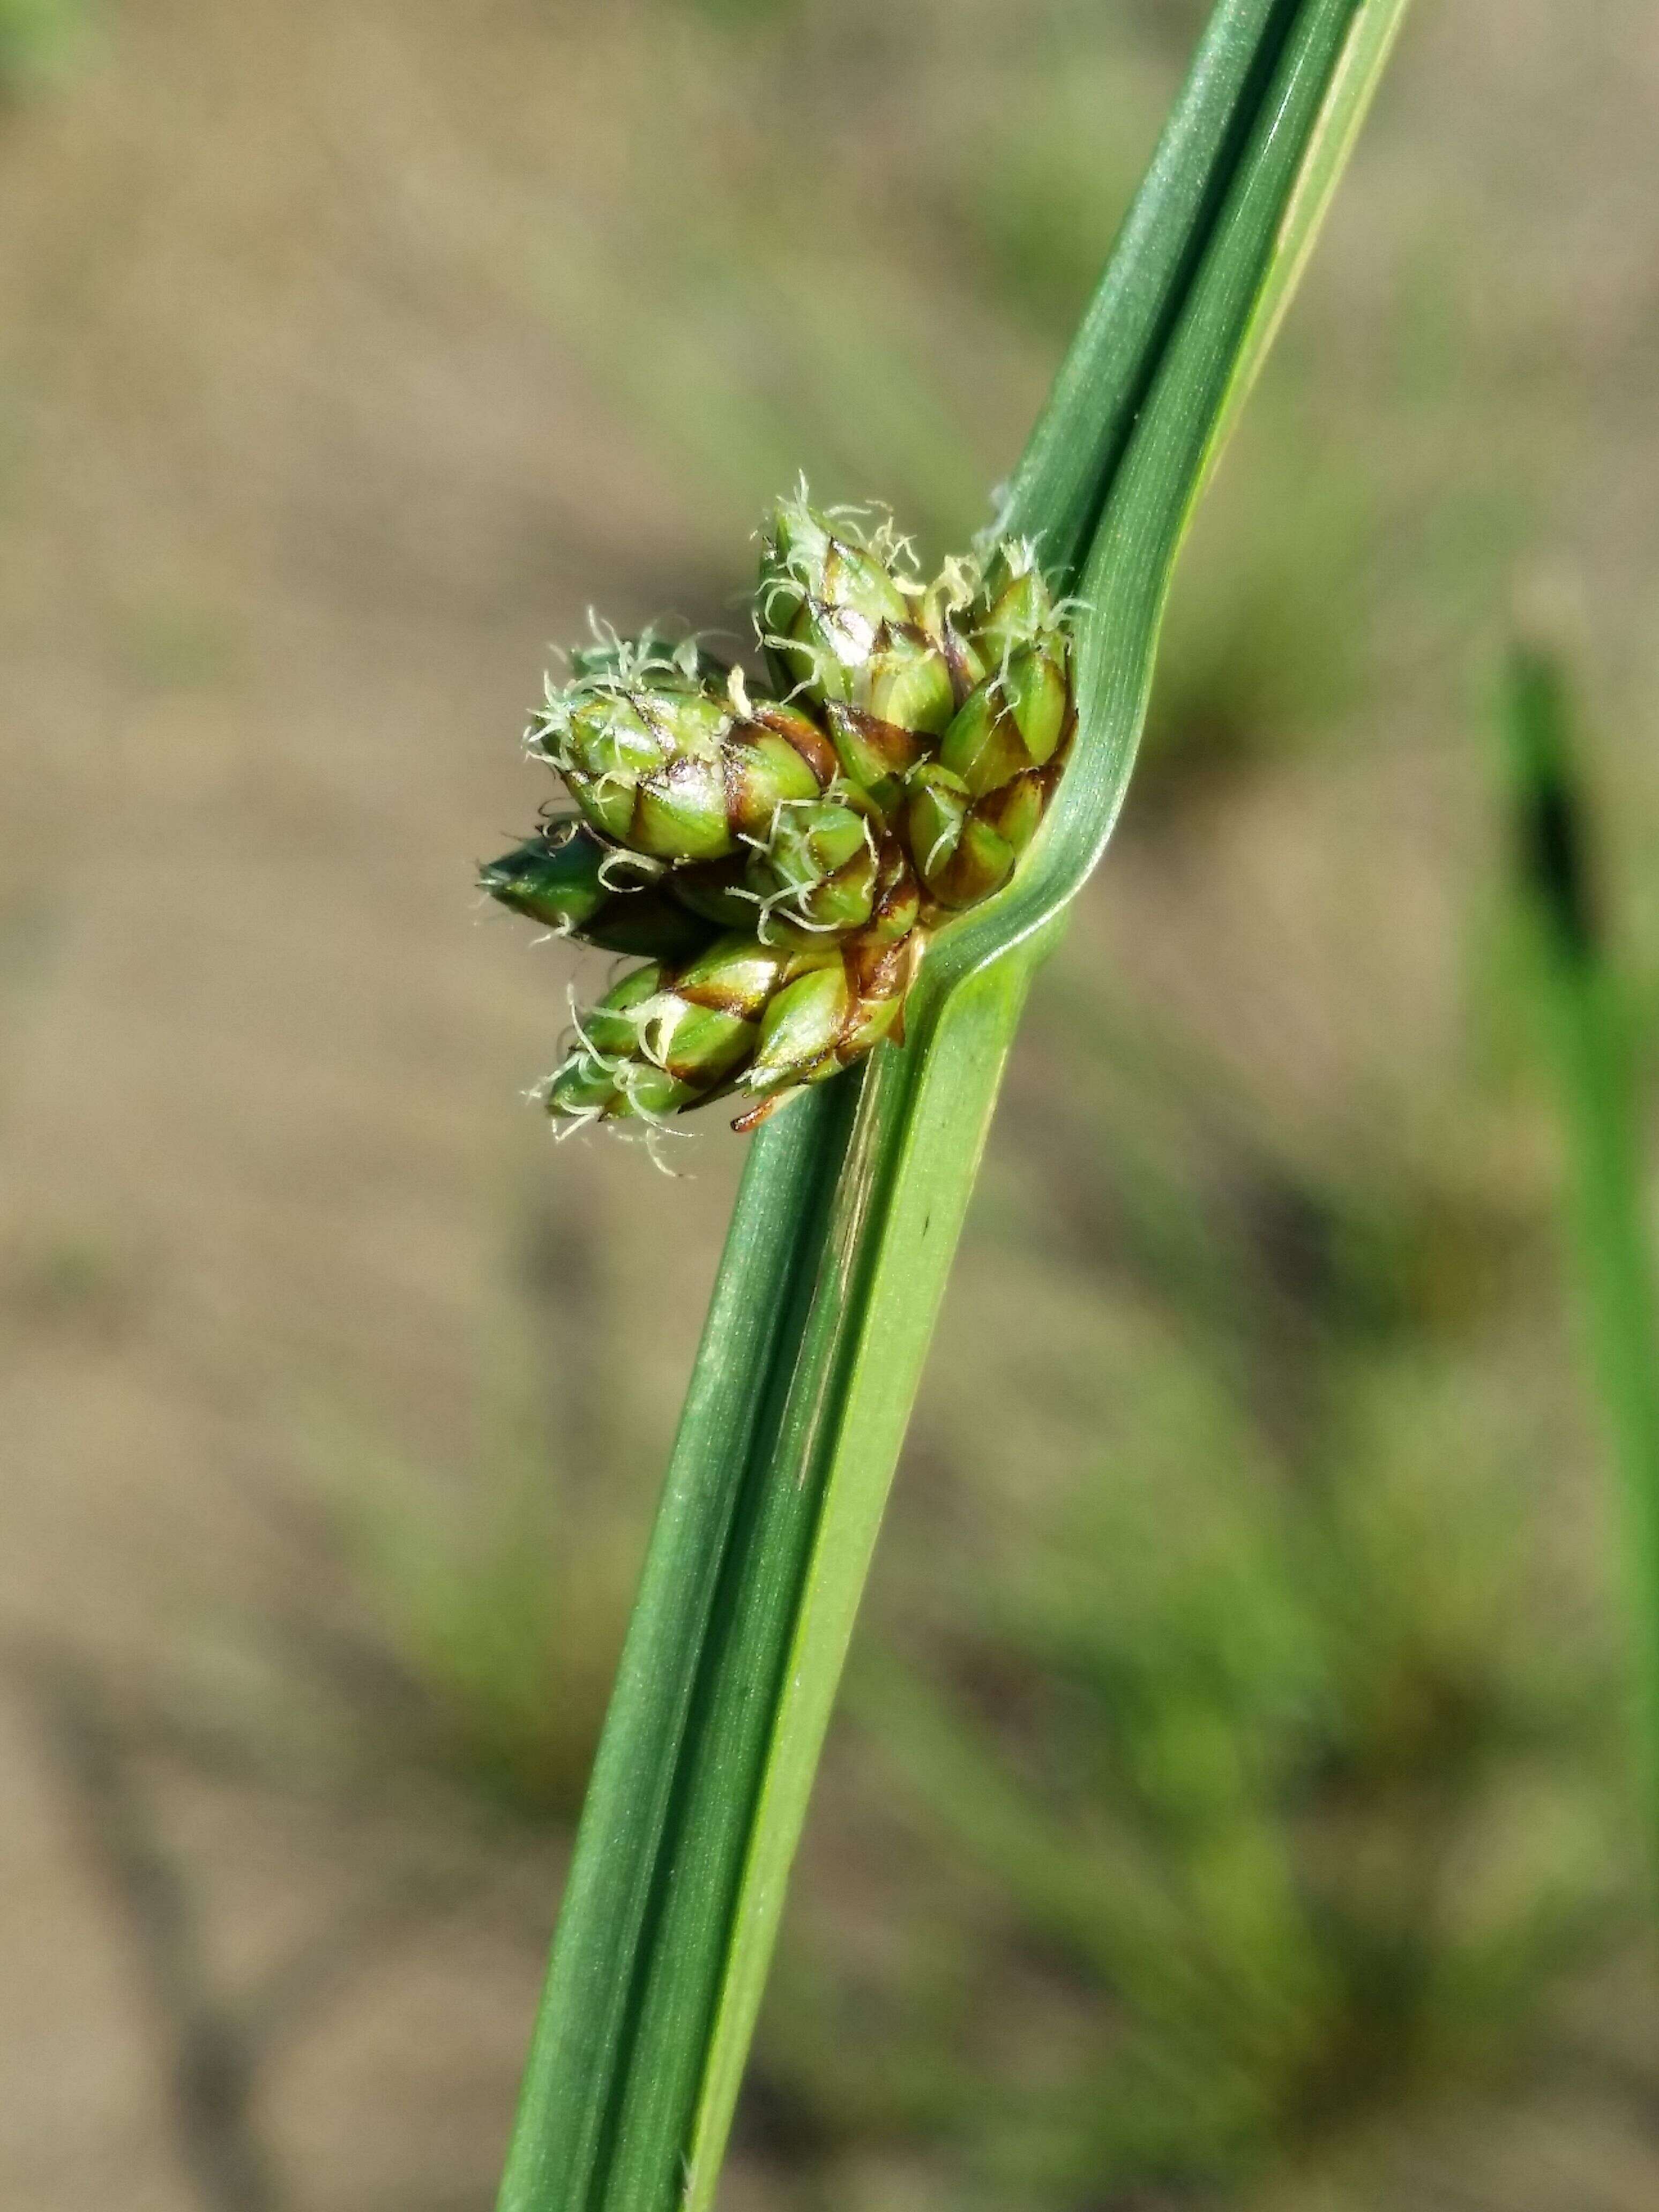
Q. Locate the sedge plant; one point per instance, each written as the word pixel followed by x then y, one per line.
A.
pixel 853 974
pixel 1582 994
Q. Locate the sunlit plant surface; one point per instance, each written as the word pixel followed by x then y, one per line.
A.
pixel 854 1194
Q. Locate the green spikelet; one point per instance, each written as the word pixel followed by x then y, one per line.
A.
pixel 816 871
pixel 742 1016
pixel 837 609
pixel 836 1007
pixel 973 812
pixel 664 1038
pixel 573 883
pixel 662 761
pixel 960 857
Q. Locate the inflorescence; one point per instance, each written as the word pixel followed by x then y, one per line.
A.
pixel 779 856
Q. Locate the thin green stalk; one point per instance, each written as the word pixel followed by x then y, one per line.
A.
pixel 1590 1039
pixel 852 1202
pixel 583 2032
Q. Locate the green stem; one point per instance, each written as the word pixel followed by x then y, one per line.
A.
pixel 585 2027
pixel 1589 1035
pixel 927 1109
pixel 851 1207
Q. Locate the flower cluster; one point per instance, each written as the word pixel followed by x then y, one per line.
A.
pixel 778 856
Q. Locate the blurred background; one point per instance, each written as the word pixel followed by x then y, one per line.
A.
pixel 1230 1804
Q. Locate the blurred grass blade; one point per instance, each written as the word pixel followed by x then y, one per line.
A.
pixel 851 1204
pixel 1590 1036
